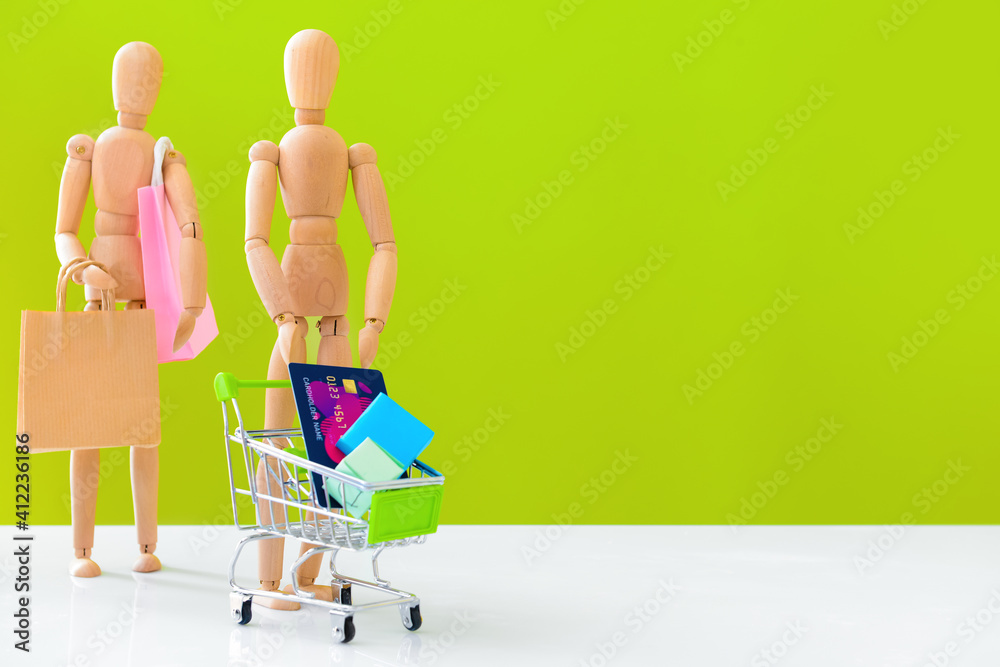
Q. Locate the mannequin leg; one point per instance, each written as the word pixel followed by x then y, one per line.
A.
pixel 84 477
pixel 334 350
pixel 279 412
pixel 145 464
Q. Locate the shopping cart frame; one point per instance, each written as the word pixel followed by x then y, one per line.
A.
pixel 289 489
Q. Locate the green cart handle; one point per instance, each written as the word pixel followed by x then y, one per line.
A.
pixel 227 387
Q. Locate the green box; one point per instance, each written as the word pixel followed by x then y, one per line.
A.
pixel 403 513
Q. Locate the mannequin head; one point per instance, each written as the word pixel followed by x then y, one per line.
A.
pixel 311 65
pixel 135 79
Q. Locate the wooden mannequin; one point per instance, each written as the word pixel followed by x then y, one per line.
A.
pixel 312 161
pixel 119 163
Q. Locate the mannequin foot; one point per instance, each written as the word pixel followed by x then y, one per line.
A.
pixel 84 567
pixel 326 593
pixel 147 563
pixel 276 603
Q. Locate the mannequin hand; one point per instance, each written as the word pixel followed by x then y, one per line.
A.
pixel 94 277
pixel 185 327
pixel 368 342
pixel 286 336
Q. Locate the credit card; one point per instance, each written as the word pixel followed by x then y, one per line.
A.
pixel 329 399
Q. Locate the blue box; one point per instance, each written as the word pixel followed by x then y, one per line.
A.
pixel 396 431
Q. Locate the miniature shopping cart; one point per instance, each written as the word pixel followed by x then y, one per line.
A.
pixel 403 512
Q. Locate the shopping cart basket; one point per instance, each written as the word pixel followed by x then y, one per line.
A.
pixel 403 512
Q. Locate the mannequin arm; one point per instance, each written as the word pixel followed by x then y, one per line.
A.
pixel 369 191
pixel 73 189
pixel 262 187
pixel 180 195
pixel 193 268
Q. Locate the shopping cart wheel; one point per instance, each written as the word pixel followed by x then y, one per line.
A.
pixel 411 617
pixel 343 628
pixel 345 594
pixel 241 606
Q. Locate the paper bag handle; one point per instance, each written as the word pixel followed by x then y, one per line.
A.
pixel 70 267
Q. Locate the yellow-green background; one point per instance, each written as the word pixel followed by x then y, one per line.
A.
pixel 656 184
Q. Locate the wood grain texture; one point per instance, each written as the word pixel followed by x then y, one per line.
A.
pixel 270 282
pixel 75 184
pixel 312 229
pixel 334 350
pixel 381 283
pixel 145 468
pixel 84 475
pixel 312 61
pixel 369 192
pixel 193 271
pixel 123 163
pixel 313 171
pixel 135 78
pixel 107 223
pixel 179 190
pixel 262 188
pixel 317 279
pixel 279 412
pixel 122 257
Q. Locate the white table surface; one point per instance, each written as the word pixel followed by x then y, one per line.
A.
pixel 593 595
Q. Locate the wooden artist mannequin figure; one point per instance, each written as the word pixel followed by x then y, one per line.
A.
pixel 118 164
pixel 312 161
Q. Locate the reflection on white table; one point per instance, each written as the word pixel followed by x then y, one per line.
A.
pixel 591 596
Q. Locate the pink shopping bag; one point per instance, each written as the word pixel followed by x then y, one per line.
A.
pixel 160 239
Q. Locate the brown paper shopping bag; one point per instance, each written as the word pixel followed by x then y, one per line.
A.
pixel 87 379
